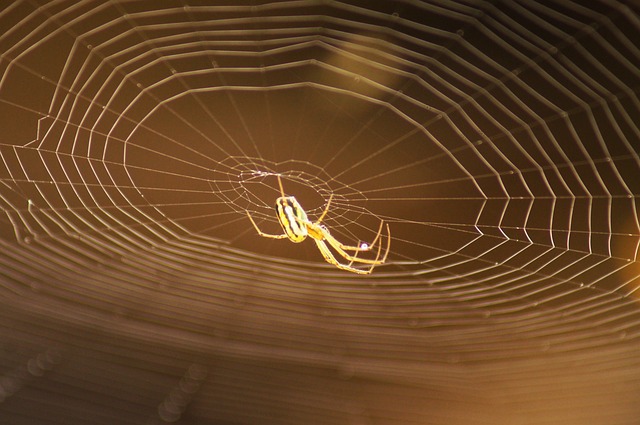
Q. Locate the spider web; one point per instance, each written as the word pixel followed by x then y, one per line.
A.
pixel 498 141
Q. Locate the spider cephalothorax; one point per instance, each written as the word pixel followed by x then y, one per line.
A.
pixel 297 226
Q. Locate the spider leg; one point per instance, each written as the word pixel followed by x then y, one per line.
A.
pixel 280 184
pixel 335 244
pixel 329 257
pixel 326 210
pixel 261 233
pixel 320 229
pixel 367 247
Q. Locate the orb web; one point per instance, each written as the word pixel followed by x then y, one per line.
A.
pixel 498 141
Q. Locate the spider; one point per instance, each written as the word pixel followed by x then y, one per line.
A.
pixel 297 227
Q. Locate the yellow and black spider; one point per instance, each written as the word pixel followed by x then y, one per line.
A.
pixel 297 227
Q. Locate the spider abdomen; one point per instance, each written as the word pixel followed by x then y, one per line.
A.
pixel 292 218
